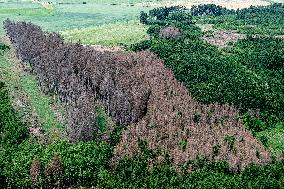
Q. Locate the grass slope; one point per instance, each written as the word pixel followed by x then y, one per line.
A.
pixel 108 34
pixel 275 139
pixel 36 108
pixel 69 16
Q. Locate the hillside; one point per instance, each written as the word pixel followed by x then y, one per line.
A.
pixel 132 94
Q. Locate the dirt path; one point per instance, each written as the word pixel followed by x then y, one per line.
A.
pixel 102 48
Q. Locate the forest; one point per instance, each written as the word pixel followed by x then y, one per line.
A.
pixel 184 107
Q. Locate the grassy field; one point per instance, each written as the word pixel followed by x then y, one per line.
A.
pixel 35 108
pixel 108 34
pixel 67 16
pixel 275 138
pixel 232 4
pixel 97 22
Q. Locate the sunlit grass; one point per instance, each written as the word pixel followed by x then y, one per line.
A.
pixel 23 85
pixel 275 138
pixel 70 16
pixel 25 12
pixel 108 34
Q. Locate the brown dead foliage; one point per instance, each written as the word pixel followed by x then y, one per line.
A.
pixel 81 75
pixel 35 172
pixel 211 131
pixel 137 91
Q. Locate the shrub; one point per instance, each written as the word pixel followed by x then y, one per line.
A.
pixel 166 16
pixel 254 124
pixel 261 52
pixel 162 13
pixel 3 47
pixel 209 10
pixel 143 45
pixel 86 164
pixel 264 56
pixel 12 130
pixel 257 14
pixel 143 17
pixel 131 173
pixel 170 33
pixel 79 164
pixel 54 173
pixel 182 17
pixel 154 30
pixel 35 172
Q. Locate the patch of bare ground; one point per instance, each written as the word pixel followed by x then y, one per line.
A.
pixel 221 39
pixel 101 48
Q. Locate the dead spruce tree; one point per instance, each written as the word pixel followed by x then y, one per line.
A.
pixel 139 92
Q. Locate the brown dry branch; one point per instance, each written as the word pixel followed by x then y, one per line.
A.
pixel 172 115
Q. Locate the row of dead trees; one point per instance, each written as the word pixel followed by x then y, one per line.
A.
pixel 137 91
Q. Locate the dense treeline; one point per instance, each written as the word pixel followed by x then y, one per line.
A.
pixel 164 16
pixel 209 10
pixel 264 56
pixel 249 76
pixel 62 164
pixel 253 20
pixel 274 10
